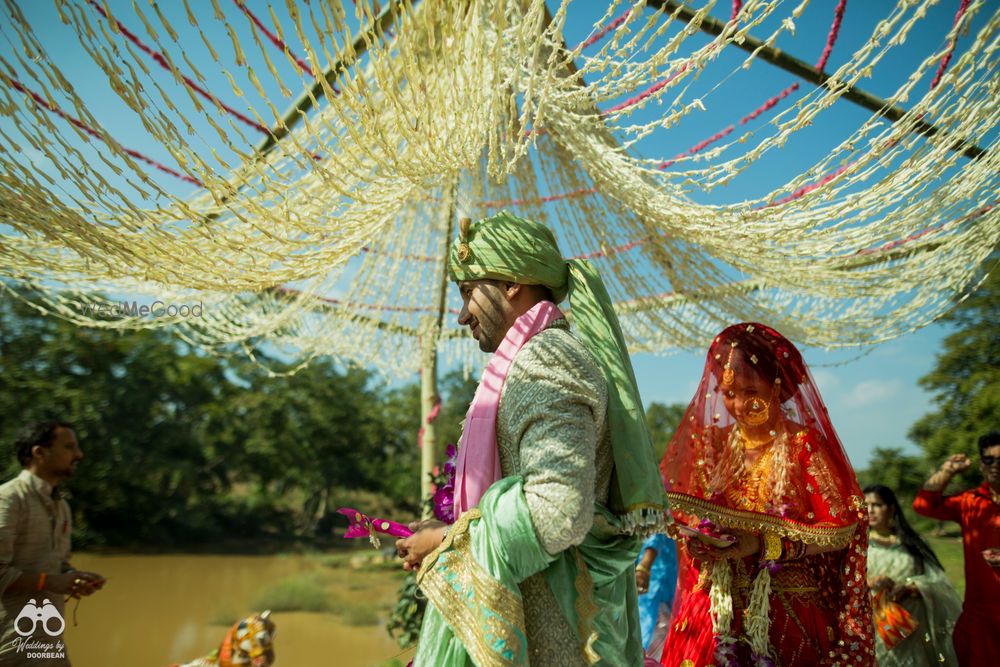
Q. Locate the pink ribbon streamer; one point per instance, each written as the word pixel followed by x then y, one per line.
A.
pixel 41 101
pixel 274 39
pixel 160 60
pixel 946 58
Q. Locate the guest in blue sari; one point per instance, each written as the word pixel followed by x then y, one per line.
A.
pixel 656 579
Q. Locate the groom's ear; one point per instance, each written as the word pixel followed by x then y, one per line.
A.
pixel 511 290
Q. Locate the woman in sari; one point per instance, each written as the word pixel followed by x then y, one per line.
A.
pixel 903 569
pixel 772 564
pixel 656 580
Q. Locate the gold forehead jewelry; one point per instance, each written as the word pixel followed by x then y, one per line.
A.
pixel 728 374
pixel 464 252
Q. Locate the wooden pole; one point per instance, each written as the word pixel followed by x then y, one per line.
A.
pixel 428 399
pixel 298 109
pixel 430 334
pixel 806 71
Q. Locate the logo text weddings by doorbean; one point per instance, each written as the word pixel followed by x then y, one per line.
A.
pixel 37 620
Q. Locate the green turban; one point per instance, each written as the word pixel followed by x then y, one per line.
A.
pixel 509 248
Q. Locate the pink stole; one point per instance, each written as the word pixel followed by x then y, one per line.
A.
pixel 478 462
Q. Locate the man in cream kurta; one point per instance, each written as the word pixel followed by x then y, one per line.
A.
pixel 538 569
pixel 35 528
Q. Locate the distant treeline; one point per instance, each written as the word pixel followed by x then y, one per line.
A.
pixel 183 448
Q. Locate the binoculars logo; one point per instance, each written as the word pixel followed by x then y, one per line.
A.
pixel 31 615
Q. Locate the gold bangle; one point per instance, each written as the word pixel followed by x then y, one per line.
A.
pixel 641 568
pixel 770 546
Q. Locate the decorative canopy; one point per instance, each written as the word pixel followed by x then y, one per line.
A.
pixel 326 232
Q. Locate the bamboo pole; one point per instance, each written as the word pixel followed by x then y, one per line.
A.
pixel 806 71
pixel 430 334
pixel 298 109
pixel 428 399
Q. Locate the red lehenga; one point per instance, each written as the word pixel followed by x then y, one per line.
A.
pixel 793 487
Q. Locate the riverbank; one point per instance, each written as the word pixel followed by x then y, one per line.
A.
pixel 157 610
pixel 329 608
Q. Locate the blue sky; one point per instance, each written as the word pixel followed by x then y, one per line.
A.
pixel 872 395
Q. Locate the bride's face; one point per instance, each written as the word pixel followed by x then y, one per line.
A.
pixel 748 399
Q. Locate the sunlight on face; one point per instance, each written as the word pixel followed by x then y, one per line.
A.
pixel 747 395
pixel 486 311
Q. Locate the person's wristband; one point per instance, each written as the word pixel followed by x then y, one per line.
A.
pixel 641 568
pixel 41 580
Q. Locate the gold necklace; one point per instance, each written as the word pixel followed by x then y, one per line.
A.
pixel 750 445
pixel 884 541
pixel 751 491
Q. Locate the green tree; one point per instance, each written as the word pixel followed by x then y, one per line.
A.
pixel 135 401
pixel 181 447
pixel 903 473
pixel 457 391
pixel 307 435
pixel 965 380
pixel 399 476
pixel 663 421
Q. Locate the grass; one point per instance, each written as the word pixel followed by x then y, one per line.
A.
pixel 949 552
pixel 359 615
pixel 223 616
pixel 368 559
pixel 298 593
pixel 324 591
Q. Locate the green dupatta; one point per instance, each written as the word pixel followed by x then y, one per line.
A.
pixel 476 616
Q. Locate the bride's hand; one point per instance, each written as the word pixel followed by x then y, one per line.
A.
pixel 702 551
pixel 746 544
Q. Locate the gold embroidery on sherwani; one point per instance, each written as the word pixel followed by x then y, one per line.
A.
pixel 586 609
pixel 486 616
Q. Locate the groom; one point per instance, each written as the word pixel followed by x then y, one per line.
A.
pixel 556 478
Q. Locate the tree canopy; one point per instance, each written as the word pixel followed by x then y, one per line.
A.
pixel 965 380
pixel 182 448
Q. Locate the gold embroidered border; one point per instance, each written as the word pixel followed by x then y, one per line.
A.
pixel 586 609
pixel 457 530
pixel 836 536
pixel 473 603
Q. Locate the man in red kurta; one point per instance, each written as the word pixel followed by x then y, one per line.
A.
pixel 977 634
